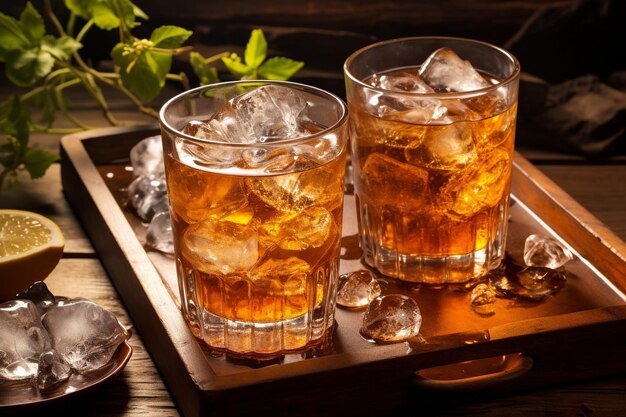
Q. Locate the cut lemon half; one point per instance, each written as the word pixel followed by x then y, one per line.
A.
pixel 30 247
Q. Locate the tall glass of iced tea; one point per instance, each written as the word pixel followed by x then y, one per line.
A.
pixel 432 127
pixel 255 182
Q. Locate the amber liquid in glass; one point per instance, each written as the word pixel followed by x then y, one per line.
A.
pixel 258 253
pixel 433 198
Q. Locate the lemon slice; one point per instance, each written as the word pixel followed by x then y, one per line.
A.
pixel 30 247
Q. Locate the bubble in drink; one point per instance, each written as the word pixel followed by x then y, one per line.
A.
pixel 22 340
pixel 391 318
pixel 545 252
pixel 146 158
pixel 83 333
pixel 357 289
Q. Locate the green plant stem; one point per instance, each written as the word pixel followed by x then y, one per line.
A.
pixel 124 30
pixel 84 30
pixel 181 78
pixel 55 21
pixel 71 22
pixel 217 57
pixel 56 130
pixel 175 51
pixel 59 101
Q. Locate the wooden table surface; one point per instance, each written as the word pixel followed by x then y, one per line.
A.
pixel 139 390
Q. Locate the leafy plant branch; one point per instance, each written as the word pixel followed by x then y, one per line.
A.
pixel 47 65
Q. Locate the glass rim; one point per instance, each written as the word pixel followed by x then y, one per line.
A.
pixel 343 117
pixel 444 95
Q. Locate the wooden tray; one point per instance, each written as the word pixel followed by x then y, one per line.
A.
pixel 578 333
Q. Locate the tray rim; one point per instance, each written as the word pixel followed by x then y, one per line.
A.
pixel 190 354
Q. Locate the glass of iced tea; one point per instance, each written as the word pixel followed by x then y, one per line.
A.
pixel 432 128
pixel 254 175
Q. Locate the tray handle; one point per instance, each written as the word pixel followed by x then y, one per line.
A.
pixel 474 375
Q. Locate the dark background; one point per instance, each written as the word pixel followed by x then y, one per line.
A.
pixel 555 40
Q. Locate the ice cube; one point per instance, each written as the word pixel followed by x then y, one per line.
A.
pixel 223 247
pixel 482 299
pixel 357 289
pixel 298 231
pixel 146 157
pixel 447 147
pixel 395 183
pixel 445 71
pixel 53 370
pixel 159 235
pixel 533 283
pixel 296 191
pixel 148 196
pixel 83 333
pixel 546 252
pixel 205 195
pixel 22 339
pixel 477 188
pixel 391 318
pixel 406 81
pixel 39 294
pixel 271 112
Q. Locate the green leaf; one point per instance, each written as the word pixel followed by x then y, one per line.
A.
pixel 234 65
pixel 256 49
pixel 205 73
pixel 37 161
pixel 279 68
pixel 14 122
pixel 106 15
pixel 144 75
pixel 61 48
pixel 81 7
pixel 32 23
pixel 24 68
pixel 169 37
pixel 139 13
pixel 12 36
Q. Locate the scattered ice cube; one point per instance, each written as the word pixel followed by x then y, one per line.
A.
pixel 53 370
pixel 309 228
pixel 391 318
pixel 39 294
pixel 159 235
pixel 546 252
pixel 357 289
pixel 148 196
pixel 146 157
pixel 533 283
pixel 482 299
pixel 83 333
pixel 223 247
pixel 447 147
pixel 445 71
pixel 22 339
pixel 387 179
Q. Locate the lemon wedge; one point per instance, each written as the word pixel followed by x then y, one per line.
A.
pixel 31 245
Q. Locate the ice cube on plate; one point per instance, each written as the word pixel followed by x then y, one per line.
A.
pixel 159 235
pixel 148 196
pixel 83 333
pixel 482 299
pixel 22 339
pixel 53 370
pixel 39 294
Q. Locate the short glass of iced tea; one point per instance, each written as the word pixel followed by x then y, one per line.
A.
pixel 255 175
pixel 432 129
